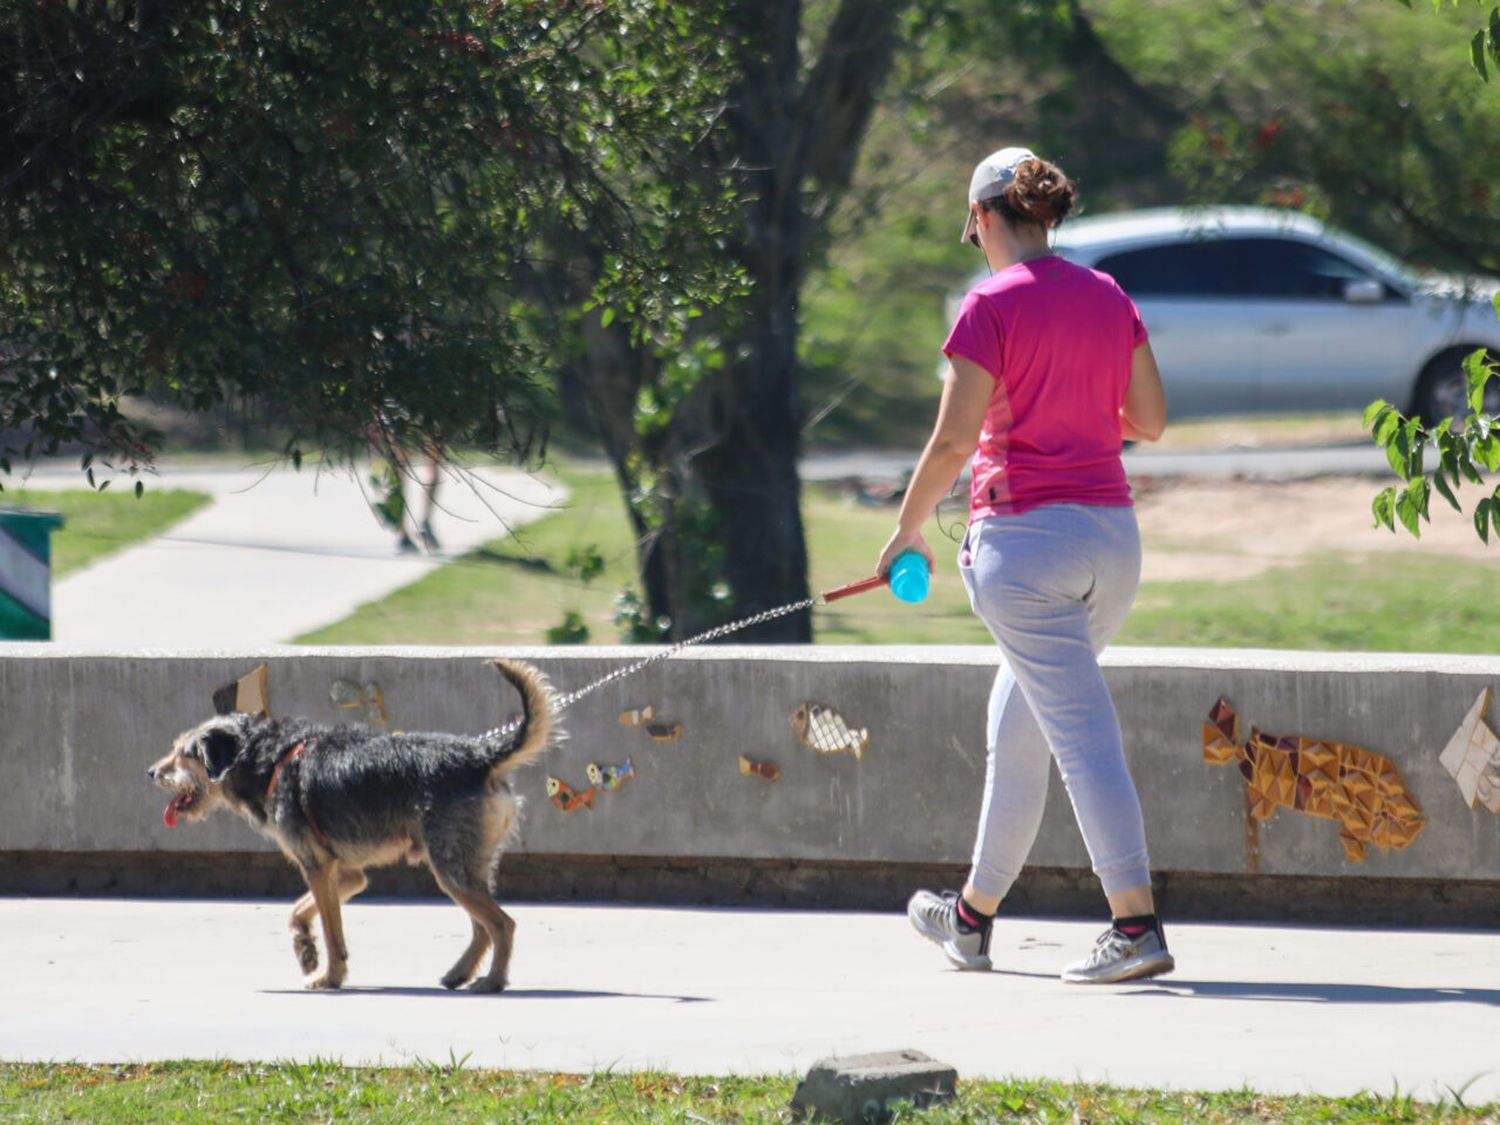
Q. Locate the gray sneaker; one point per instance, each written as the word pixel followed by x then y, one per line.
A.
pixel 935 917
pixel 1117 957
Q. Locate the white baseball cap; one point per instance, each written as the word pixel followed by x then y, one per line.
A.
pixel 991 176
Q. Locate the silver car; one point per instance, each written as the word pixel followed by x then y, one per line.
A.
pixel 1259 311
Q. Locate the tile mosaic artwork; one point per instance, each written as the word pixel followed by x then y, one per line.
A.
pixel 607 778
pixel 1472 756
pixel 367 699
pixel 643 717
pixel 1360 789
pixel 824 730
pixel 566 798
pixel 637 716
pixel 247 694
pixel 749 767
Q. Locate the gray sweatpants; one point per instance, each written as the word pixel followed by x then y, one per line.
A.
pixel 1054 585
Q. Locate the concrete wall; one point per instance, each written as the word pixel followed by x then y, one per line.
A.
pixel 78 729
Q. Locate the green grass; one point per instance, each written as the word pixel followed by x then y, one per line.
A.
pixel 513 590
pixel 325 1091
pixel 100 523
pixel 1407 602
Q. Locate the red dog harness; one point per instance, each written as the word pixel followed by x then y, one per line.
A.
pixel 291 756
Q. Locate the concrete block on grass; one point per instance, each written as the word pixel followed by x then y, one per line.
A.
pixel 867 1088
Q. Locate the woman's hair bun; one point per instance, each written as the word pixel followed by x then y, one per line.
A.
pixel 1040 193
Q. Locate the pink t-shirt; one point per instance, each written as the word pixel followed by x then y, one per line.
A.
pixel 1058 339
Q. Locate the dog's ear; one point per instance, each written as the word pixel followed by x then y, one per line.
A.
pixel 219 747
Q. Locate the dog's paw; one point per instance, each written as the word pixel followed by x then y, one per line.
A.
pixel 326 981
pixel 306 950
pixel 453 978
pixel 484 984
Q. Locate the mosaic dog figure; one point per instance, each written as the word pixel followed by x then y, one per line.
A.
pixel 339 799
pixel 1360 789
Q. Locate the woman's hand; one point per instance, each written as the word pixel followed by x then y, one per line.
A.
pixel 966 396
pixel 903 541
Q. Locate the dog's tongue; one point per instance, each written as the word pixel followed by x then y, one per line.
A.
pixel 169 818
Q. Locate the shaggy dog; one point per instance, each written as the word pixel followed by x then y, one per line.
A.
pixel 339 799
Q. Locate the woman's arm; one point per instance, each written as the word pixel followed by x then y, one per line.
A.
pixel 1143 416
pixel 966 397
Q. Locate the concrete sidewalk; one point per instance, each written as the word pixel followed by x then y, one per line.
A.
pixel 277 554
pixel 1281 1009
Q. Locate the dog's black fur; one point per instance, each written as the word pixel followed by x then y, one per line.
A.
pixel 339 799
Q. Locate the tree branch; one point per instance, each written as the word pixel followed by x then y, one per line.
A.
pixel 839 95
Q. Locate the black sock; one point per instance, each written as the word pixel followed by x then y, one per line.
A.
pixel 1137 925
pixel 970 920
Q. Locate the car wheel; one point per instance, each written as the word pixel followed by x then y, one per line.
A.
pixel 1443 389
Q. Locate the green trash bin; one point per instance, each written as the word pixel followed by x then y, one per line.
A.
pixel 26 574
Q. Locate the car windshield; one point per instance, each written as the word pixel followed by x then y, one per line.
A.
pixel 1387 263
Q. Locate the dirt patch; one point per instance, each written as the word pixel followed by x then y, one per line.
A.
pixel 1234 529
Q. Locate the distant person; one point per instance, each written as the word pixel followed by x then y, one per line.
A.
pixel 392 471
pixel 1049 369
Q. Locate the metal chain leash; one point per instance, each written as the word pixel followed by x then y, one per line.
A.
pixel 562 702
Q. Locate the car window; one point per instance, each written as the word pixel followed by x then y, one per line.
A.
pixel 1285 267
pixel 1202 268
pixel 1384 262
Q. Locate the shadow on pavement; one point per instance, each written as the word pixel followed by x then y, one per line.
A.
pixel 1306 992
pixel 508 994
pixel 1311 992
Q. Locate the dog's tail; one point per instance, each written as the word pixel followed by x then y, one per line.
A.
pixel 537 730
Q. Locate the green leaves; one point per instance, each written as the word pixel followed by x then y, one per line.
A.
pixel 1461 456
pixel 586 562
pixel 1484 47
pixel 1398 435
pixel 674 380
pixel 572 630
pixel 1446 491
pixel 338 212
pixel 1411 506
pixel 1376 411
pixel 1478 370
pixel 1484 515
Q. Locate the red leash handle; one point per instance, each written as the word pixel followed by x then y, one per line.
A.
pixel 853 588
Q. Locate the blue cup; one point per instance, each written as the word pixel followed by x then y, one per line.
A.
pixel 909 577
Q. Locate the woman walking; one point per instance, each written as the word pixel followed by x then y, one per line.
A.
pixel 1049 369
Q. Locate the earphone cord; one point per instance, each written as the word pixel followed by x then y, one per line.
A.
pixel 561 702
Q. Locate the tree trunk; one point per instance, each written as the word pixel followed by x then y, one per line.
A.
pixel 750 475
pixel 752 481
pixel 726 492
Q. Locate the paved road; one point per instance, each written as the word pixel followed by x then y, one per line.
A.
pixel 1273 464
pixel 276 554
pixel 1282 1009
